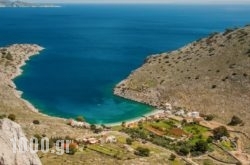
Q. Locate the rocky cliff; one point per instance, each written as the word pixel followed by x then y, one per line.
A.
pixel 11 130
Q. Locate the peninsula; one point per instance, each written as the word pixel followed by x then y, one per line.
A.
pixel 18 3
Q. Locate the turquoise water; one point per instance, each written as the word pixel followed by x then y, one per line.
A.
pixel 90 48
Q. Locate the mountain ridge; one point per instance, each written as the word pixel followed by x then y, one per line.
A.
pixel 210 75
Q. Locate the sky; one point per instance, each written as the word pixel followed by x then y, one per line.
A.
pixel 148 1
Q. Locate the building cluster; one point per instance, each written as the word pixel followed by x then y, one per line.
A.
pixel 99 140
pixel 79 124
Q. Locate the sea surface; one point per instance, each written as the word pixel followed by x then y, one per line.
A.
pixel 90 48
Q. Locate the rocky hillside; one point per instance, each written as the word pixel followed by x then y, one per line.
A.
pixel 10 130
pixel 211 75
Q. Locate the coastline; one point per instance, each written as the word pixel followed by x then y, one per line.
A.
pixel 137 119
pixel 36 49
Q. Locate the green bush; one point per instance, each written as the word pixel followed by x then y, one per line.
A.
pixel 129 141
pixel 93 127
pixel 200 146
pixel 36 122
pixel 9 56
pixel 209 117
pixel 235 121
pixel 12 117
pixel 141 151
pixel 183 150
pixel 80 118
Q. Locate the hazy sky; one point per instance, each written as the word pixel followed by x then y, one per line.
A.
pixel 148 1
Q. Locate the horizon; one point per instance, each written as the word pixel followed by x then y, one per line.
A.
pixel 170 2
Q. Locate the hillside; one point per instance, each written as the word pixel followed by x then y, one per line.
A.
pixel 211 75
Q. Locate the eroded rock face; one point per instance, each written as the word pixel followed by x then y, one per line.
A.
pixel 10 130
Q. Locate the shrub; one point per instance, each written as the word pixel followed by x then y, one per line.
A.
pixel 172 157
pixel 12 117
pixel 228 31
pixel 80 118
pixel 9 56
pixel 98 130
pixel 92 126
pixel 141 151
pixel 183 150
pixel 214 86
pixel 235 121
pixel 129 141
pixel 36 122
pixel 200 146
pixel 123 124
pixel 209 139
pixel 3 116
pixel 209 117
pixel 220 132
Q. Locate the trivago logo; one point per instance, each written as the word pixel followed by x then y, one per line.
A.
pixel 23 145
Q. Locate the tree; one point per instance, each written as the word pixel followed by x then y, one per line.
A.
pixel 183 150
pixel 80 118
pixel 220 132
pixel 200 146
pixel 235 121
pixel 12 117
pixel 141 151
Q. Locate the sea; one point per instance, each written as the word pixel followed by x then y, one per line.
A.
pixel 89 48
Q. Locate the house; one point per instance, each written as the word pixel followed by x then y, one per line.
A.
pixel 180 113
pixel 74 123
pixel 111 139
pixel 168 106
pixel 193 114
pixel 93 140
pixel 90 140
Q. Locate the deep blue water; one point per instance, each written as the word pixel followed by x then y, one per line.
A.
pixel 90 48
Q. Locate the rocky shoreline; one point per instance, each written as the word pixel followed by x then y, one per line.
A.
pixel 20 53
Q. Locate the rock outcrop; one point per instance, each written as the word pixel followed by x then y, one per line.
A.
pixel 10 130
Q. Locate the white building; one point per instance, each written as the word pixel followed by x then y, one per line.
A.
pixel 193 114
pixel 111 139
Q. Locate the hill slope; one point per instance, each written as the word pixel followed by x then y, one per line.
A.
pixel 211 75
